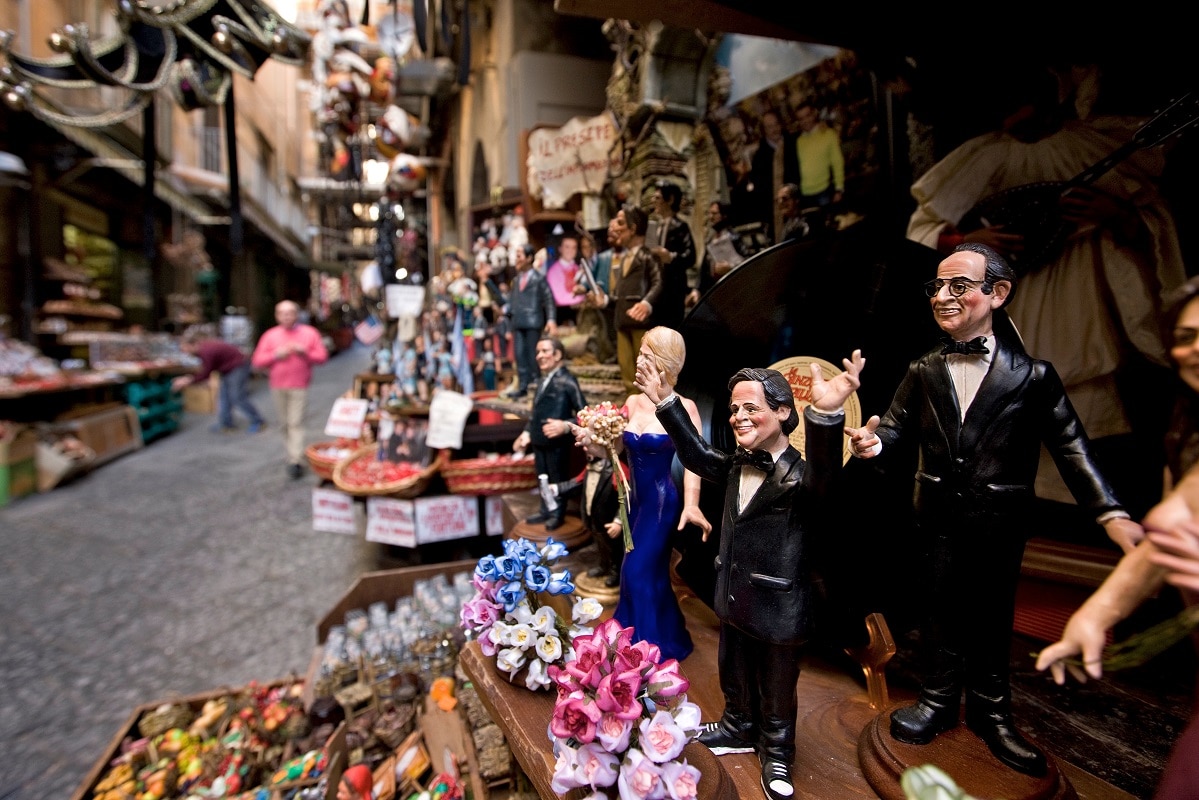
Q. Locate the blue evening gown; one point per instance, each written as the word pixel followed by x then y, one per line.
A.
pixel 647 600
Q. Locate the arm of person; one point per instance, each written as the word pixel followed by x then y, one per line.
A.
pixel 1138 575
pixel 691 514
pixel 314 349
pixel 1135 578
pixel 265 353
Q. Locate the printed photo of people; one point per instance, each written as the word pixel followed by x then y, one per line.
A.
pixel 799 154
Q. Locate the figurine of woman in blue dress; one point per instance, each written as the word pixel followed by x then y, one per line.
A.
pixel 647 600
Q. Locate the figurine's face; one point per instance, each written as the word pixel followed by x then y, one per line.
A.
pixel 756 426
pixel 1185 348
pixel 807 118
pixel 967 316
pixel 568 250
pixel 714 216
pixel 547 357
pixel 621 226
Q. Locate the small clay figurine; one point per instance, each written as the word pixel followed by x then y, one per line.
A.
pixel 356 783
pixel 600 511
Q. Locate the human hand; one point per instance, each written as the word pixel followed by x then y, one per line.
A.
pixel 584 440
pixel 1125 533
pixel 178 384
pixel 522 442
pixel 664 255
pixel 651 381
pixel 1178 553
pixel 613 529
pixel 720 268
pixel 862 441
pixel 553 428
pixel 693 516
pixel 1084 634
pixel 283 352
pixel 691 299
pixel 551 328
pixel 639 311
pixel 831 395
pixel 1080 204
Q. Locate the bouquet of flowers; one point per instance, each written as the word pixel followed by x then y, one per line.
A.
pixel 621 720
pixel 605 422
pixel 508 620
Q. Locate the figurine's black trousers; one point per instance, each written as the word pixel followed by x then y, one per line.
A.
pixel 759 684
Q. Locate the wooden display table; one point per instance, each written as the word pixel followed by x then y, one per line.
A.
pixel 834 710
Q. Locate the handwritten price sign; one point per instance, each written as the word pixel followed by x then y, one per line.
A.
pixel 798 372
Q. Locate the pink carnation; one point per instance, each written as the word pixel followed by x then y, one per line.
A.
pixel 661 738
pixel 667 681
pixel 575 718
pixel 617 693
pixel 613 732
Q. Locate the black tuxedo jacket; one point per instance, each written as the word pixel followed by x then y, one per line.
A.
pixel 670 306
pixel 983 468
pixel 605 503
pixel 562 398
pixel 764 574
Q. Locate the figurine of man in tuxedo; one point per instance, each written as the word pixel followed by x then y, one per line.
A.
pixel 765 591
pixel 557 400
pixel 979 408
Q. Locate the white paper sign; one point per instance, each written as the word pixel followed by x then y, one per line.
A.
pixel 391 521
pixel 447 419
pixel 493 515
pixel 333 511
pixel 574 158
pixel 444 517
pixel 346 418
pixel 403 300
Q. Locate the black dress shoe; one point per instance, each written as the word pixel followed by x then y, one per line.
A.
pixel 554 523
pixel 612 581
pixel 776 779
pixel 1006 744
pixel 920 723
pixel 716 738
pixel 538 518
pixel 595 572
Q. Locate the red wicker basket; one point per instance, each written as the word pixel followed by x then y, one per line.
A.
pixel 490 475
pixel 411 486
pixel 323 464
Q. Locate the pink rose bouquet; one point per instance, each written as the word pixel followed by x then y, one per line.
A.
pixel 621 720
pixel 606 423
pixel 510 622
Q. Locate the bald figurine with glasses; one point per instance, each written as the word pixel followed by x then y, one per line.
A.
pixel 979 408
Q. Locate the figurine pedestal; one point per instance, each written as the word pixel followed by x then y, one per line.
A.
pixel 571 533
pixel 962 756
pixel 587 586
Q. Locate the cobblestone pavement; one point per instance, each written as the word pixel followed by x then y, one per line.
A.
pixel 185 566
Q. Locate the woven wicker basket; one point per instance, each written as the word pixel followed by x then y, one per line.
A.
pixel 322 466
pixel 490 475
pixel 409 487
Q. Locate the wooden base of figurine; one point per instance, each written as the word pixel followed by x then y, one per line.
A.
pixel 587 586
pixel 571 533
pixel 962 756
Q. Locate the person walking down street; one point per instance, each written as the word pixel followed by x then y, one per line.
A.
pixel 288 352
pixel 234 368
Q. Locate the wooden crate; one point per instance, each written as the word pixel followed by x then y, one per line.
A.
pixel 336 746
pixel 110 431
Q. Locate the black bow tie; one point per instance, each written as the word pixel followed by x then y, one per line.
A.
pixel 759 459
pixel 975 347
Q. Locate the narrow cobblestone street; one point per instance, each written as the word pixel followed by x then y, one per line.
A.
pixel 188 565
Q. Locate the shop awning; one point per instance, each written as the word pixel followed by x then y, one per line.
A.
pixel 114 156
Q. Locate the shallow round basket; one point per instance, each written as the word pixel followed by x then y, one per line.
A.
pixel 322 466
pixel 412 486
pixel 489 475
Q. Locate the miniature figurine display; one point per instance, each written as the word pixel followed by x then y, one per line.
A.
pixel 764 598
pixel 647 600
pixel 980 408
pixel 556 401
